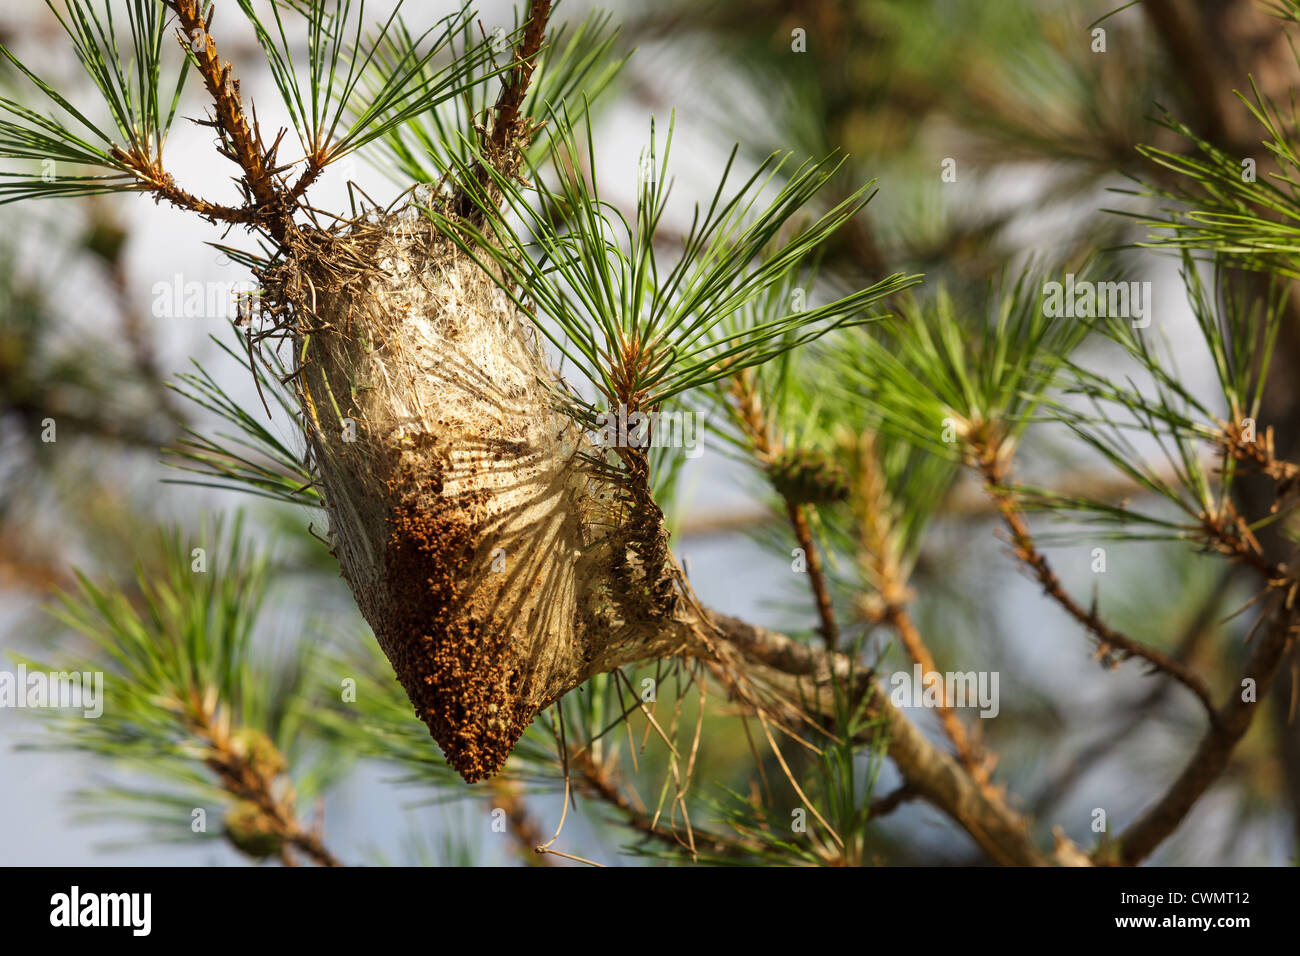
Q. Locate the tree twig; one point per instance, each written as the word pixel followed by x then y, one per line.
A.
pixel 597 781
pixel 809 674
pixel 1211 757
pixel 153 179
pixel 1233 720
pixel 244 144
pixel 507 127
pixel 882 567
pixel 969 752
pixel 758 428
pixel 245 780
pixel 883 806
pixel 994 469
pixel 1200 626
pixel 816 574
pixel 523 829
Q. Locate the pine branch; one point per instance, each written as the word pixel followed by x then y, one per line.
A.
pixel 255 780
pixel 598 781
pixel 969 753
pixel 360 88
pixel 573 70
pixel 754 421
pixel 1200 627
pixel 830 628
pixel 994 467
pixel 758 429
pixel 524 830
pixel 807 674
pixel 880 545
pixel 644 332
pixel 508 132
pixel 1234 718
pixel 130 83
pixel 151 177
pixel 189 698
pixel 243 143
pixel 1211 757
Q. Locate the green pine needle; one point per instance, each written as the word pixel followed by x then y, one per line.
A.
pixel 139 90
pixel 644 331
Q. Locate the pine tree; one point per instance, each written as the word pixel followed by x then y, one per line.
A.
pixel 490 377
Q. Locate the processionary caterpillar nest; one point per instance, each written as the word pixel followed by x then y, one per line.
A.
pixel 463 509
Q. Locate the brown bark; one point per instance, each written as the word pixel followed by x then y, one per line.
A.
pixel 1218 47
pixel 806 674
